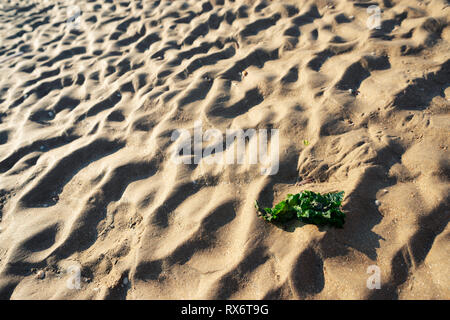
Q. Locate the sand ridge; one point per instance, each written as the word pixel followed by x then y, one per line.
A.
pixel 88 106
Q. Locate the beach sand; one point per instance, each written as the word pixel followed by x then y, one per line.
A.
pixel 91 93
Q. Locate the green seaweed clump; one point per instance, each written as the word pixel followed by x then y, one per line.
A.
pixel 308 207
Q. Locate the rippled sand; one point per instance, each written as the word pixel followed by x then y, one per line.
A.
pixel 88 107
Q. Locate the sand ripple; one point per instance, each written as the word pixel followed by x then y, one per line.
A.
pixel 88 106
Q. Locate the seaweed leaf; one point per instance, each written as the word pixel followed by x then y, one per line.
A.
pixel 308 207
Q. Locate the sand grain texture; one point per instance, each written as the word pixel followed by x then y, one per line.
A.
pixel 86 117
